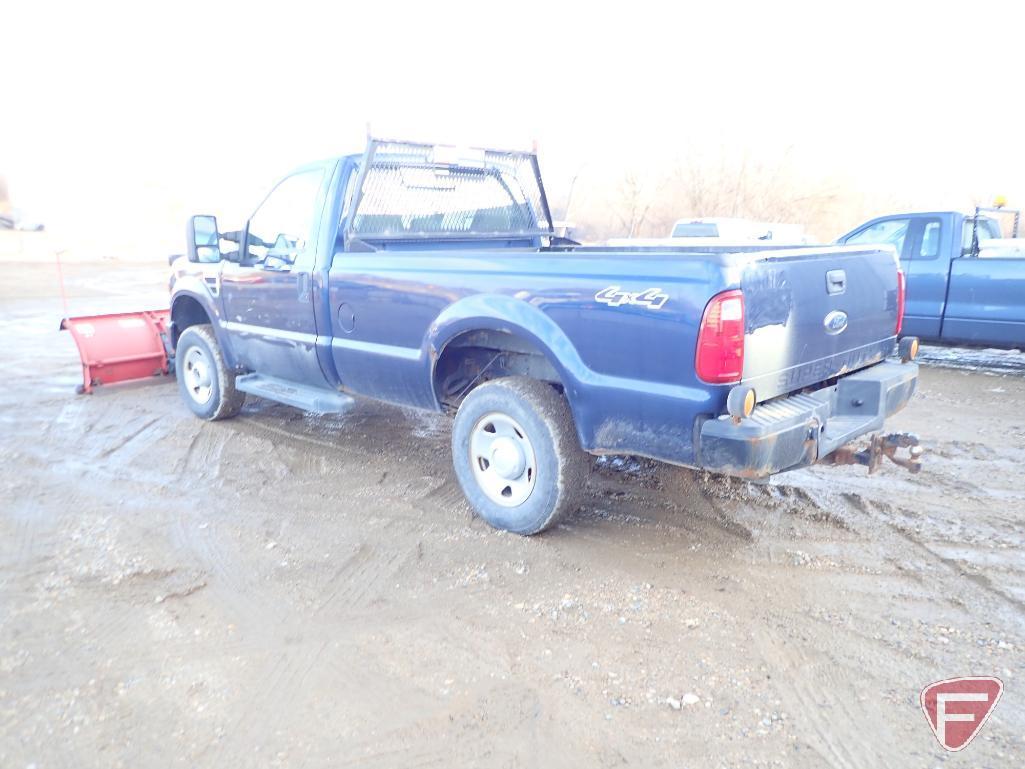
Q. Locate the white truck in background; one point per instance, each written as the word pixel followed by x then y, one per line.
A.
pixel 723 231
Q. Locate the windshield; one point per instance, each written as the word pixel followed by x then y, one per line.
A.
pixel 891 231
pixel 695 230
pixel 413 190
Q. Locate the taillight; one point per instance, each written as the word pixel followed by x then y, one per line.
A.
pixel 901 292
pixel 720 354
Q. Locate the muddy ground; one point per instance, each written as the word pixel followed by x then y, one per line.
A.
pixel 291 590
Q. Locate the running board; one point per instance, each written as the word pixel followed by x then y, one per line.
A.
pixel 292 394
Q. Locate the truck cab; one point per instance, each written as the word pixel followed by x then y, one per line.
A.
pixel 959 291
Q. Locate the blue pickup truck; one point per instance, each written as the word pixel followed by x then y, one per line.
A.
pixel 431 277
pixel 965 283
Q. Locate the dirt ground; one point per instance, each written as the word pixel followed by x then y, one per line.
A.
pixel 286 589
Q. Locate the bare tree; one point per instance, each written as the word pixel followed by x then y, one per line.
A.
pixel 718 181
pixel 722 184
pixel 633 202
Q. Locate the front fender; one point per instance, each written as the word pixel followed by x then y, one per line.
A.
pixel 193 287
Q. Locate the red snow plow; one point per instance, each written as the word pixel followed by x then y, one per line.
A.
pixel 121 347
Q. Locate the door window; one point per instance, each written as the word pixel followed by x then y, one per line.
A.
pixel 283 224
pixel 889 231
pixel 930 245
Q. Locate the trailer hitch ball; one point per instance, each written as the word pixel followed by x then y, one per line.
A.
pixel 881 447
pixel 889 445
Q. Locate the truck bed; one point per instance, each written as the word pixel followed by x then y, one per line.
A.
pixel 787 300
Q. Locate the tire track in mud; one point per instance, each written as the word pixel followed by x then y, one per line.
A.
pixel 459 733
pixel 198 539
pixel 23 516
pixel 810 691
pixel 364 578
pixel 980 581
pixel 445 494
pixel 202 457
pixel 816 670
pixel 353 568
pixel 287 694
pixel 125 441
pixel 261 424
pixel 662 498
pixel 282 685
pixel 889 514
pixel 805 687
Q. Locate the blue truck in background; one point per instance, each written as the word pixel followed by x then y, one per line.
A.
pixel 430 276
pixel 965 282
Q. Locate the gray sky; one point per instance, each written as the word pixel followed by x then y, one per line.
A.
pixel 118 115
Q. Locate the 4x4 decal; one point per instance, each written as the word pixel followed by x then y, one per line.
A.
pixel 614 296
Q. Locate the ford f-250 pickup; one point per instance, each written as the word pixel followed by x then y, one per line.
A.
pixel 430 277
pixel 965 284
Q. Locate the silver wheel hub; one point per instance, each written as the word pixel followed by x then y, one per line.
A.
pixel 502 458
pixel 507 458
pixel 198 375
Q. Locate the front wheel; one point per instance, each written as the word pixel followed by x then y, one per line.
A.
pixel 516 455
pixel 205 382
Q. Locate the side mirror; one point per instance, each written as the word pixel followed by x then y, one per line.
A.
pixel 203 240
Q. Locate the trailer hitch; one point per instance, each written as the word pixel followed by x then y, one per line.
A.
pixel 881 446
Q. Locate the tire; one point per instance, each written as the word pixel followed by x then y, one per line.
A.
pixel 516 454
pixel 204 381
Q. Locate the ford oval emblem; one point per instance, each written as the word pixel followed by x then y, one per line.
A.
pixel 835 322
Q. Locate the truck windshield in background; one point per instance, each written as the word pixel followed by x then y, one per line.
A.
pixel 890 232
pixel 738 230
pixel 696 230
pixel 408 190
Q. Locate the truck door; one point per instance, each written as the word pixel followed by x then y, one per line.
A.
pixel 918 243
pixel 927 268
pixel 266 296
pixel 986 299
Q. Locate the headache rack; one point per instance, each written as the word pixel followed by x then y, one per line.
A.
pixel 998 208
pixel 417 191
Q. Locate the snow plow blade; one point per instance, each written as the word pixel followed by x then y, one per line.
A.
pixel 121 346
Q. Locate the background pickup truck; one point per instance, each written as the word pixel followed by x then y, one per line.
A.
pixel 430 277
pixel 965 285
pixel 722 231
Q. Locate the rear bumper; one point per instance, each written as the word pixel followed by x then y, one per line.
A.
pixel 799 430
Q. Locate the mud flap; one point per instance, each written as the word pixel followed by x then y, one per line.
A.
pixel 121 347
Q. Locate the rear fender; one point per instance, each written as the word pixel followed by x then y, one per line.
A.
pixel 493 312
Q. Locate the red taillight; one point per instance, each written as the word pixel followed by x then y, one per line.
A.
pixel 720 355
pixel 901 292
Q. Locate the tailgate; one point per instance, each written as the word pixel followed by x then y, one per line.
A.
pixel 813 314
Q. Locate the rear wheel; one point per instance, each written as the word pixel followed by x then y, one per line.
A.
pixel 516 455
pixel 204 380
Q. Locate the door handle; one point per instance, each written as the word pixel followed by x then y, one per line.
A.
pixel 303 283
pixel 836 281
